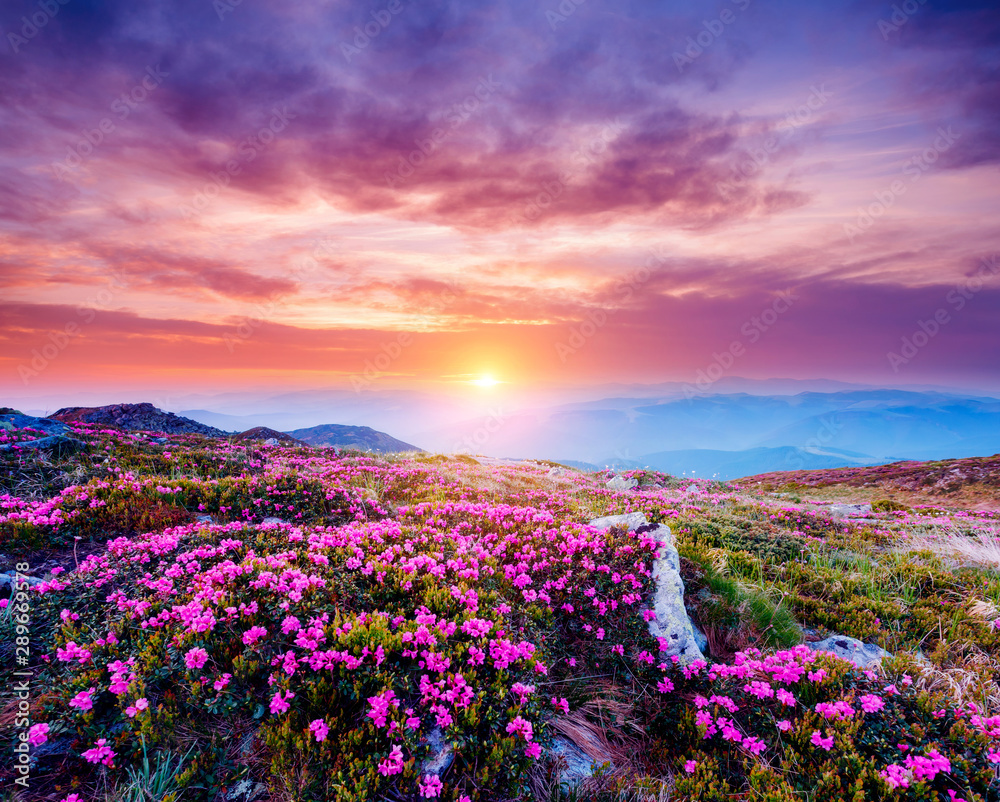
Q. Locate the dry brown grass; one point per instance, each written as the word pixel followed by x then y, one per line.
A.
pixel 969 679
pixel 980 548
pixel 607 730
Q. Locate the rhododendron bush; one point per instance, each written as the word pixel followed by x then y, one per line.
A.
pixel 350 627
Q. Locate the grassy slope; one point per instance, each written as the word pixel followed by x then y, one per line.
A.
pixel 462 541
pixel 969 483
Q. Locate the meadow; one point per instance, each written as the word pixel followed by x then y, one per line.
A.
pixel 226 620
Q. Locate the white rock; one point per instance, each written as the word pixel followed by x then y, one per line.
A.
pixel 630 521
pixel 672 622
pixel 622 484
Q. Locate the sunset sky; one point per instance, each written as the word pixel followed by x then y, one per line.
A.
pixel 208 196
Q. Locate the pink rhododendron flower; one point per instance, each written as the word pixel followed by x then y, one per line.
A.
pixel 254 634
pixel 392 764
pixel 82 700
pixel 820 741
pixel 38 734
pixel 431 786
pixel 319 729
pixel 784 725
pixel 195 658
pixel 132 710
pixel 279 703
pixel 101 753
pixel 690 766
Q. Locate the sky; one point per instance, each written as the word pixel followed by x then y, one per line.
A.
pixel 213 196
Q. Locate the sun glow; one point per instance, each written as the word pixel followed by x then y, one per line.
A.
pixel 485 381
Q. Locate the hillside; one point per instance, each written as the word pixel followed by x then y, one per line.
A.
pixel 362 438
pixel 266 434
pixel 215 621
pixel 973 482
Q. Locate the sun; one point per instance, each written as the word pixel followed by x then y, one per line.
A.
pixel 486 380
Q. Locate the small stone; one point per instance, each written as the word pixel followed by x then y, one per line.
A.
pixel 574 765
pixel 442 753
pixel 863 655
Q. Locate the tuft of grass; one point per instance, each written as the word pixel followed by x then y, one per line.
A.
pixel 151 782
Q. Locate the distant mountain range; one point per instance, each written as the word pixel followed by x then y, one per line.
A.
pixel 725 465
pixel 726 434
pixel 742 434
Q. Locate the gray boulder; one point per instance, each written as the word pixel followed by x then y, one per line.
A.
pixel 19 421
pixel 841 511
pixel 56 443
pixel 863 655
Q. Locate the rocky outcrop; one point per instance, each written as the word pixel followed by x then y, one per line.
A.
pixel 672 626
pixel 137 417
